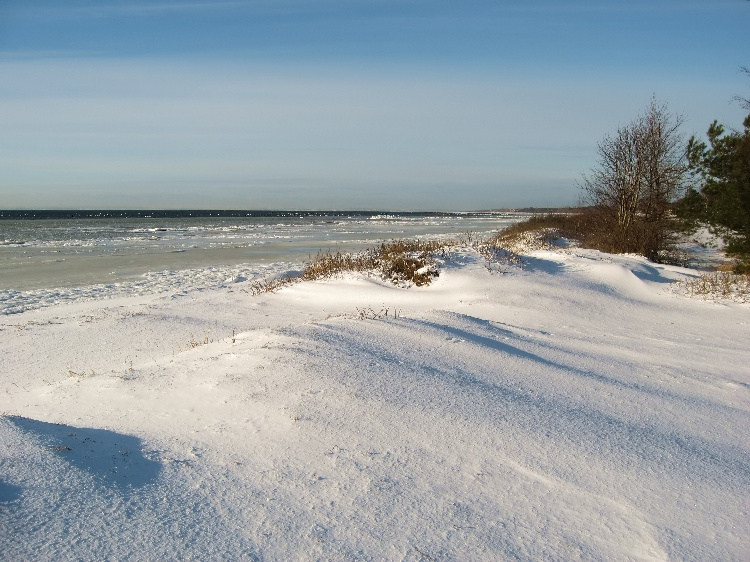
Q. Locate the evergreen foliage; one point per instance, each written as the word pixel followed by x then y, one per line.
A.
pixel 723 201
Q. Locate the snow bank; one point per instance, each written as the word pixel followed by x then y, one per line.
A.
pixel 575 408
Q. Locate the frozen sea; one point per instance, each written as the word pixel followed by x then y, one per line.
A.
pixel 52 257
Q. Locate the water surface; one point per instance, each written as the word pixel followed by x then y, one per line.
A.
pixel 66 255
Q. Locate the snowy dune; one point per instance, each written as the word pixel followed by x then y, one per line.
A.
pixel 578 408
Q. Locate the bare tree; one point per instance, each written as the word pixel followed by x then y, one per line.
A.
pixel 642 169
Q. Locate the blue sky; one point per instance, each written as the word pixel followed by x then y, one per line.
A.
pixel 345 104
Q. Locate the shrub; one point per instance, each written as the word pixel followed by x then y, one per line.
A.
pixel 403 262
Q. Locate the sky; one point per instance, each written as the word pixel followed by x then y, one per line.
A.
pixel 345 104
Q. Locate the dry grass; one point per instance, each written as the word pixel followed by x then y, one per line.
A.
pixel 192 344
pixel 594 228
pixel 566 224
pixel 369 313
pixel 545 232
pixel 718 286
pixel 520 242
pixel 407 263
pixel 402 262
pixel 737 266
pixel 270 285
pixel 553 231
pixel 331 264
pixel 497 256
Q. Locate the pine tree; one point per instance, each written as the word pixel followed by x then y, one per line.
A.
pixel 724 198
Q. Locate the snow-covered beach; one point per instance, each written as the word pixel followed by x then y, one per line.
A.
pixel 579 407
pixel 50 257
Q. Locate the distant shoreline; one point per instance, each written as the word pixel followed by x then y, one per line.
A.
pixel 59 214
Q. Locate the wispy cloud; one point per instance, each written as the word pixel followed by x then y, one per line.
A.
pixel 337 95
pixel 322 129
pixel 79 10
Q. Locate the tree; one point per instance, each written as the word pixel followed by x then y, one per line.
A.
pixel 724 197
pixel 744 102
pixel 642 170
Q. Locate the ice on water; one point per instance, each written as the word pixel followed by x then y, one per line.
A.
pixel 57 260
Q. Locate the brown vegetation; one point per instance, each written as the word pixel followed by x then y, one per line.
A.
pixel 590 227
pixel 403 262
pixel 642 170
pixel 719 285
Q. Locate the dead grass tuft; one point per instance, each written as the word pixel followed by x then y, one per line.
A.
pixel 520 242
pixel 536 233
pixel 193 343
pixel 566 225
pixel 719 285
pixel 369 313
pixel 331 264
pixel 403 262
pixel 270 285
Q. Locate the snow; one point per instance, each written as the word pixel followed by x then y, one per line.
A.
pixel 575 408
pixel 705 249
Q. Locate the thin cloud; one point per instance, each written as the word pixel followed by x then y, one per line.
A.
pixel 147 9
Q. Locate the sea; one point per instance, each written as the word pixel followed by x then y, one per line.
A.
pixel 49 258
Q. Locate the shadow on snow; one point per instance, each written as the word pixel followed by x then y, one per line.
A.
pixel 9 492
pixel 468 392
pixel 113 459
